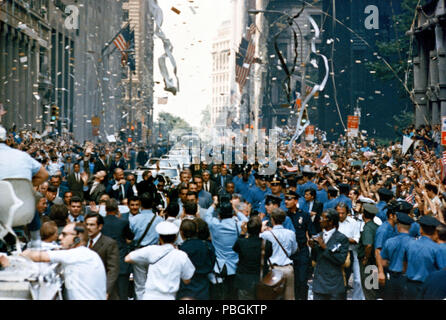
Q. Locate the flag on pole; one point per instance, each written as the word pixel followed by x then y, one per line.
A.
pixel 125 42
pixel 245 57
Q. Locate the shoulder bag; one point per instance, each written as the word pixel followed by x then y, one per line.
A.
pixel 272 285
pixel 138 244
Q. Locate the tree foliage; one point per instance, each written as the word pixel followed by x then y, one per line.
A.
pixel 170 122
pixel 398 50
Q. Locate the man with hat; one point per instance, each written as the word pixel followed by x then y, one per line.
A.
pixel 167 265
pixel 258 192
pixel 307 175
pixel 301 258
pixel 275 184
pixel 423 256
pixel 273 202
pixel 366 255
pixel 385 195
pixel 244 183
pixel 392 255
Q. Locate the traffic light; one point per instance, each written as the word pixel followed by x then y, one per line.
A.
pixel 54 113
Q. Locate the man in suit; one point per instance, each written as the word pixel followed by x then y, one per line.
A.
pixel 309 204
pixel 95 188
pixel 208 184
pixel 61 186
pixel 118 188
pixel 119 230
pixel 101 164
pixel 204 197
pixel 224 177
pixel 119 162
pixel 330 250
pixel 142 157
pixel 215 174
pixel 68 166
pixel 75 183
pixel 107 249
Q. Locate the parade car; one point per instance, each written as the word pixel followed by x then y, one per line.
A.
pixel 173 173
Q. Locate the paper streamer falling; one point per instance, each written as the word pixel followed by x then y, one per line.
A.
pixel 169 84
pixel 319 87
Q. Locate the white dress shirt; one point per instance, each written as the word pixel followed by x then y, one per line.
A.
pixel 351 229
pixel 94 240
pixel 327 235
pixel 287 239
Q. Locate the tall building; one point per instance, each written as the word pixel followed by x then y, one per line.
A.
pixel 26 68
pixel 139 86
pixel 221 75
pixel 277 109
pixel 50 57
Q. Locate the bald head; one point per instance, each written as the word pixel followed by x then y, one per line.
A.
pixel 118 174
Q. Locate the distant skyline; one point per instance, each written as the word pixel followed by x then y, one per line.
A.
pixel 191 35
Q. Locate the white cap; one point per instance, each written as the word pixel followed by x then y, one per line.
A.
pixel 2 133
pixel 167 228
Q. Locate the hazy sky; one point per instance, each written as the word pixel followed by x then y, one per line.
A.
pixel 193 58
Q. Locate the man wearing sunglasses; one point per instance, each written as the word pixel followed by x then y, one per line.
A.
pixel 84 272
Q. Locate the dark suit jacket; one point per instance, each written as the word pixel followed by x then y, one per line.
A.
pixel 99 166
pixel 122 164
pixel 119 230
pixel 213 188
pixel 108 250
pixel 97 192
pixel 318 208
pixel 328 277
pixel 117 194
pixel 226 178
pixel 75 187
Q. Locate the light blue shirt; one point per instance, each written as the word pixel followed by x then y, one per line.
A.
pixel 17 164
pixel 225 233
pixel 288 240
pixel 384 232
pixel 138 225
pixel 393 251
pixel 423 257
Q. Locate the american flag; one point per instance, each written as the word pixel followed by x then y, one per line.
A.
pixel 125 42
pixel 245 57
pixel 425 155
pixel 443 160
pixel 410 198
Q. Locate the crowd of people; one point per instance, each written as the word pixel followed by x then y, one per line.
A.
pixel 347 218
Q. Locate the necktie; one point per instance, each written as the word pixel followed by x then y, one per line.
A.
pixel 207 186
pixel 91 244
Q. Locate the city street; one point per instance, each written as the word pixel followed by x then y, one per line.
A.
pixel 222 150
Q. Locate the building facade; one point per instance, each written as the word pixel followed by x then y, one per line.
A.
pixel 430 63
pixel 138 98
pixel 222 73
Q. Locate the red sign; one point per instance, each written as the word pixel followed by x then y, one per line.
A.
pixel 443 138
pixel 309 133
pixel 352 126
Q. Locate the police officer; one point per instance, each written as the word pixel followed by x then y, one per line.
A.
pixel 273 202
pixel 301 258
pixel 423 256
pixel 366 254
pixel 275 183
pixel 385 231
pixel 307 176
pixel 392 255
pixel 385 195
pixel 258 192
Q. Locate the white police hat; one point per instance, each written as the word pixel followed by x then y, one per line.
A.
pixel 167 228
